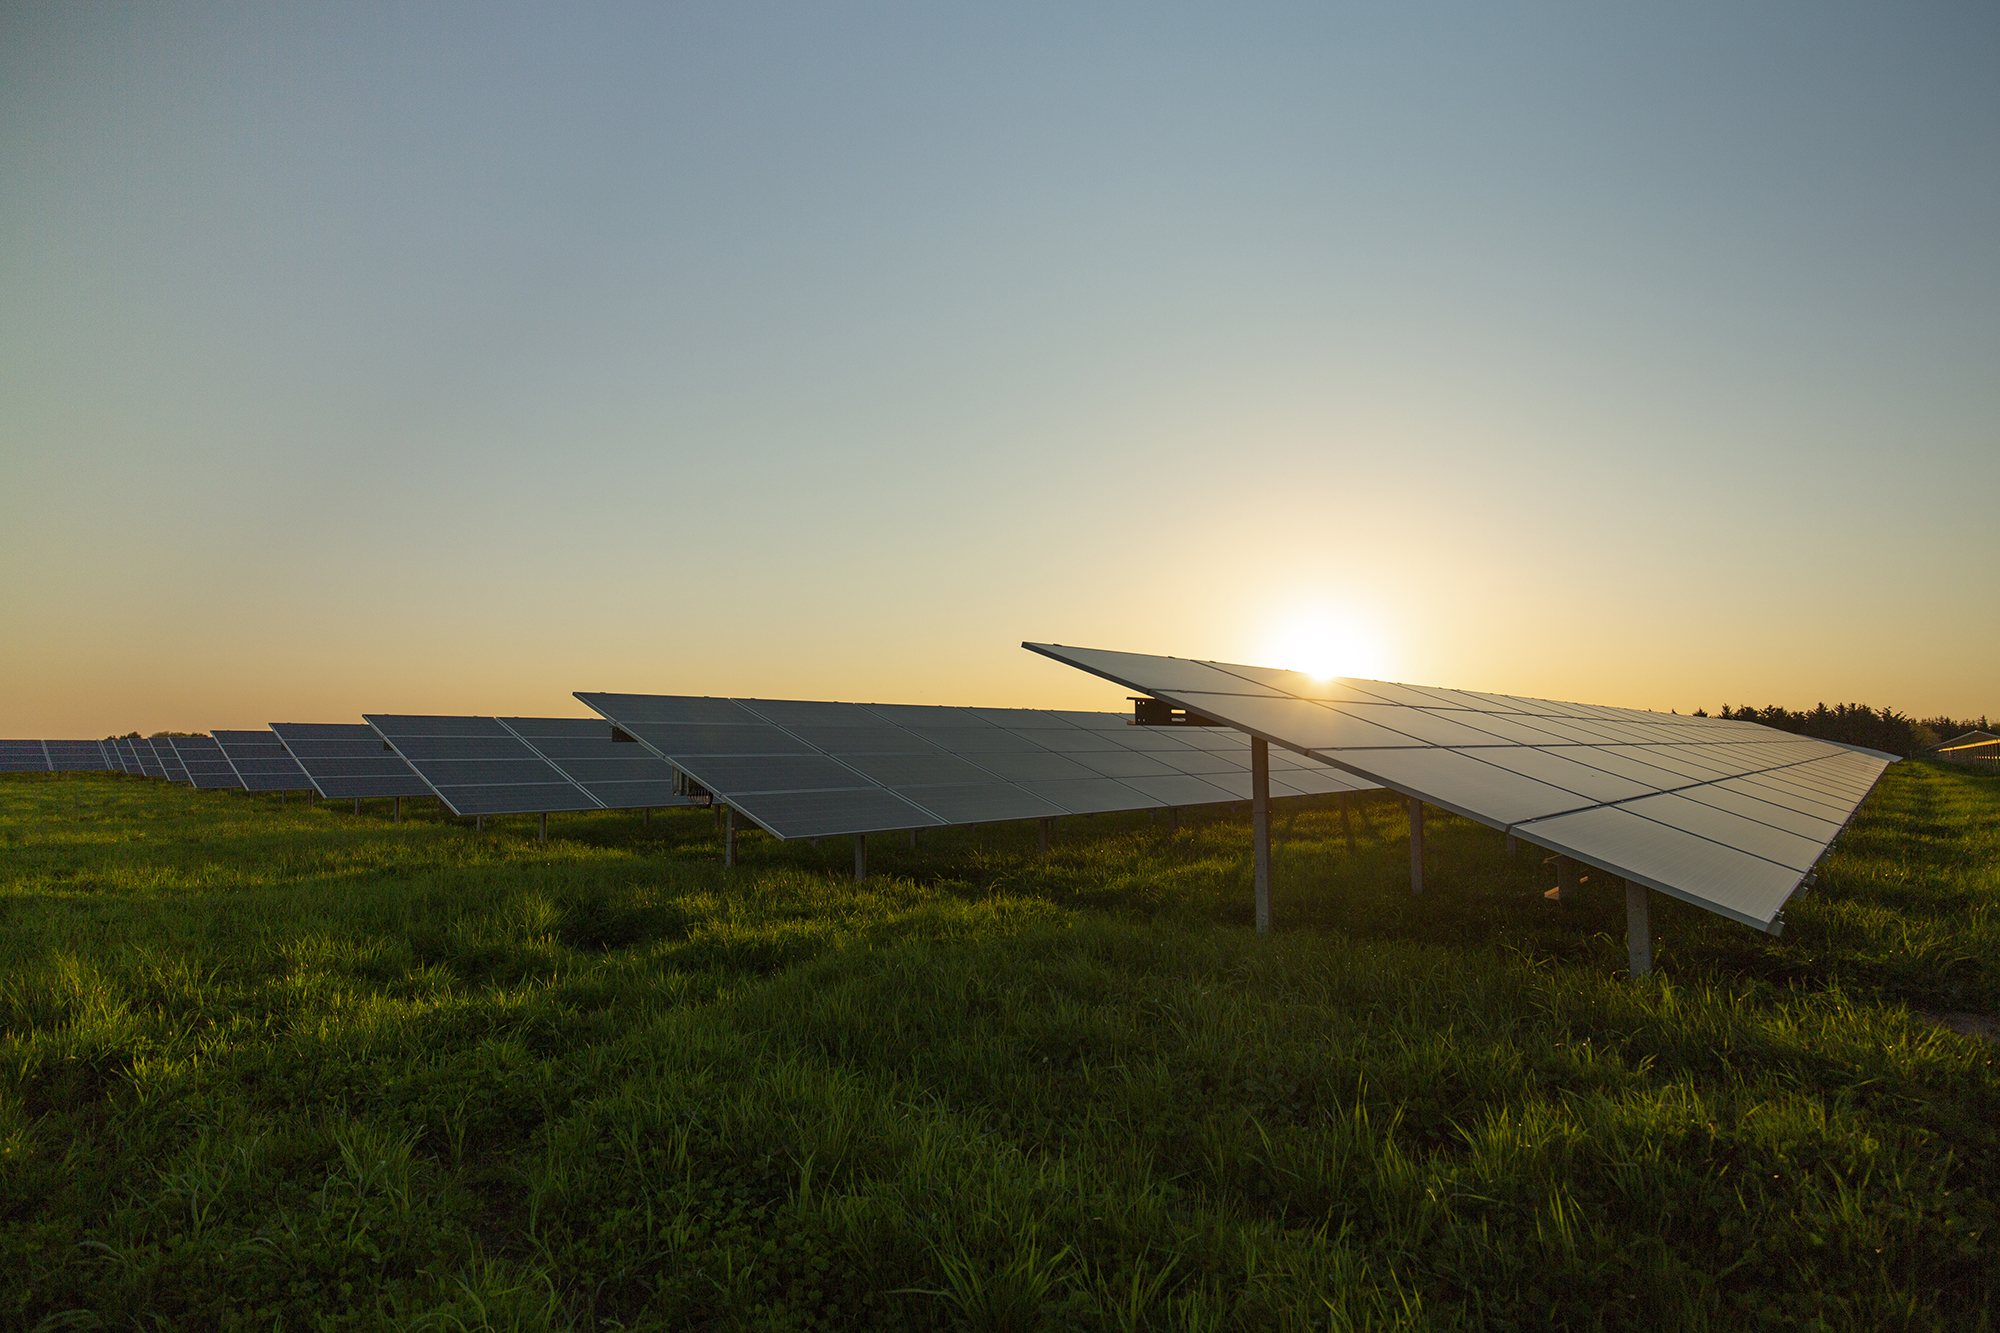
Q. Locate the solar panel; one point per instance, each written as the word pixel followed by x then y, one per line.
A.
pixel 619 774
pixel 261 761
pixel 346 760
pixel 76 756
pixel 148 756
pixel 208 768
pixel 1729 815
pixel 23 757
pixel 170 759
pixel 478 767
pixel 812 768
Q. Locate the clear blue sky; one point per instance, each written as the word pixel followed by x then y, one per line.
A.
pixel 414 358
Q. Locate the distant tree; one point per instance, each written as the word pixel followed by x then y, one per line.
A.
pixel 1856 724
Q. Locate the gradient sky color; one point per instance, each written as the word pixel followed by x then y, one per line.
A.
pixel 412 358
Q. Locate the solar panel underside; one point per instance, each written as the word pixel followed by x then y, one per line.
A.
pixel 207 767
pixel 261 761
pixel 479 767
pixel 23 757
pixel 348 760
pixel 1729 815
pixel 619 774
pixel 803 769
pixel 76 756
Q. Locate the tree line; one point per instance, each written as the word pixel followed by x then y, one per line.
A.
pixel 1857 724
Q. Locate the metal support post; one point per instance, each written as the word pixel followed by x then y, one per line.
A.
pixel 399 810
pixel 1513 847
pixel 1173 819
pixel 1639 928
pixel 479 823
pixel 861 856
pixel 1048 826
pixel 1347 821
pixel 542 832
pixel 1260 827
pixel 728 813
pixel 1416 846
pixel 281 797
pixel 913 840
pixel 1568 877
pixel 646 816
pixel 357 805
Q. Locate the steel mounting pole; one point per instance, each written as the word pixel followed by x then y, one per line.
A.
pixel 1260 827
pixel 1416 846
pixel 728 836
pixel 542 832
pixel 1047 827
pixel 861 856
pixel 1639 929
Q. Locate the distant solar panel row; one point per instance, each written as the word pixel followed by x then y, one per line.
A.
pixel 803 768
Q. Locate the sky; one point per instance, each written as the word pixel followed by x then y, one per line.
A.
pixel 424 358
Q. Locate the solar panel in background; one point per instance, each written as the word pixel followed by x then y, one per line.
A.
pixel 170 759
pixel 807 768
pixel 149 757
pixel 1725 814
pixel 621 775
pixel 478 767
pixel 76 756
pixel 207 767
pixel 348 759
pixel 128 749
pixel 23 757
pixel 261 761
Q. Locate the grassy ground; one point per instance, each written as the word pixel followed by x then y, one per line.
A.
pixel 277 1067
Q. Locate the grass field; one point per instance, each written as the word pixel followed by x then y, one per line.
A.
pixel 274 1067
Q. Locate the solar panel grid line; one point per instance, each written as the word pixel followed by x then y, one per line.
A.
pixel 1652 806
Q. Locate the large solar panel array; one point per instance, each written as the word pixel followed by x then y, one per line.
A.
pixel 348 759
pixel 261 761
pixel 805 769
pixel 208 768
pixel 1728 815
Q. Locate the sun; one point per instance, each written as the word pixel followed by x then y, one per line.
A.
pixel 1324 647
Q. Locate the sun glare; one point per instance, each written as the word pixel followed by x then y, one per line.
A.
pixel 1323 648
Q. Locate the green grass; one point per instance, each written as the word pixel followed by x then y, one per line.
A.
pixel 276 1067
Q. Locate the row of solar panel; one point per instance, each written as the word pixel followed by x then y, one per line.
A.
pixel 797 768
